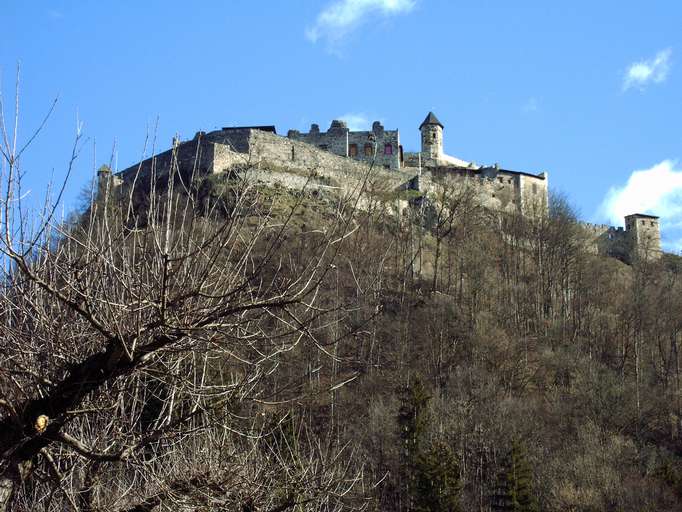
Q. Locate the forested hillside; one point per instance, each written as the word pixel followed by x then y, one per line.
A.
pixel 217 344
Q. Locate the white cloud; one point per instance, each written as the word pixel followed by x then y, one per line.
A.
pixel 343 16
pixel 642 73
pixel 658 191
pixel 356 122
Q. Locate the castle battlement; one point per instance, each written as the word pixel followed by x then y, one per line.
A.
pixel 379 145
pixel 640 238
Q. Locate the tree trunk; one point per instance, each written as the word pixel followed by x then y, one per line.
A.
pixel 9 480
pixel 7 485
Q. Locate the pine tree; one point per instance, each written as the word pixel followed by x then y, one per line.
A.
pixel 515 483
pixel 413 419
pixel 437 485
pixel 430 471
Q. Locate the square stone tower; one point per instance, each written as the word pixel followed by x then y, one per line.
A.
pixel 645 236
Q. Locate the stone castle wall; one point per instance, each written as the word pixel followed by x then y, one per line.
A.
pixel 639 239
pixel 339 140
pixel 267 158
pixel 505 191
pixel 534 193
pixel 646 235
pixel 192 157
pixel 221 150
pixel 606 240
pixel 413 159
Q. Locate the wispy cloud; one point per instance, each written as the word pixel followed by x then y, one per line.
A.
pixel 55 14
pixel 341 17
pixel 356 122
pixel 658 191
pixel 531 105
pixel 654 70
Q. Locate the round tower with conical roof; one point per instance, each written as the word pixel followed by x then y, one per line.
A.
pixel 432 137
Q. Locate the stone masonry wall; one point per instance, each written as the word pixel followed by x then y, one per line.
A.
pixel 386 143
pixel 221 150
pixel 194 156
pixel 496 189
pixel 270 151
pixel 645 233
pixel 639 239
pixel 606 240
pixel 534 194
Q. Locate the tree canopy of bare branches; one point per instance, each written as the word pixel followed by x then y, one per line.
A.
pixel 140 345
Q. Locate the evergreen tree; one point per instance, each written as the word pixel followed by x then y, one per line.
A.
pixel 413 419
pixel 436 485
pixel 515 486
pixel 430 472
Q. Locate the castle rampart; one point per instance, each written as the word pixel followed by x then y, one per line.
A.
pixel 379 145
pixel 498 189
pixel 263 154
pixel 640 239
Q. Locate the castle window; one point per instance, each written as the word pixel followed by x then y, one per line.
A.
pixel 323 147
pixel 388 149
pixel 353 150
pixel 368 149
pixel 500 180
pixel 535 188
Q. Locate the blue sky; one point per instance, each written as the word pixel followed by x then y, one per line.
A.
pixel 589 91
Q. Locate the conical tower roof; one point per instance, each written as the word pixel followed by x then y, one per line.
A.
pixel 431 119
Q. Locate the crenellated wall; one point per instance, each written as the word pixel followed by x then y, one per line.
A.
pixel 363 146
pixel 640 239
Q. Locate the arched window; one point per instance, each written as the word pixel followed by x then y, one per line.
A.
pixel 368 149
pixel 388 149
pixel 353 150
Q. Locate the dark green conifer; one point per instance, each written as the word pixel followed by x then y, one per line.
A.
pixel 437 485
pixel 515 483
pixel 413 419
pixel 430 472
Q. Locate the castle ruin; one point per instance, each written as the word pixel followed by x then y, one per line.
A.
pixel 342 155
pixel 379 145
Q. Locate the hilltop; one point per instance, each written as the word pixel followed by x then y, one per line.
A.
pixel 226 328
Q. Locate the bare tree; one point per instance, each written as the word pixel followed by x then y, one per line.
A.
pixel 141 348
